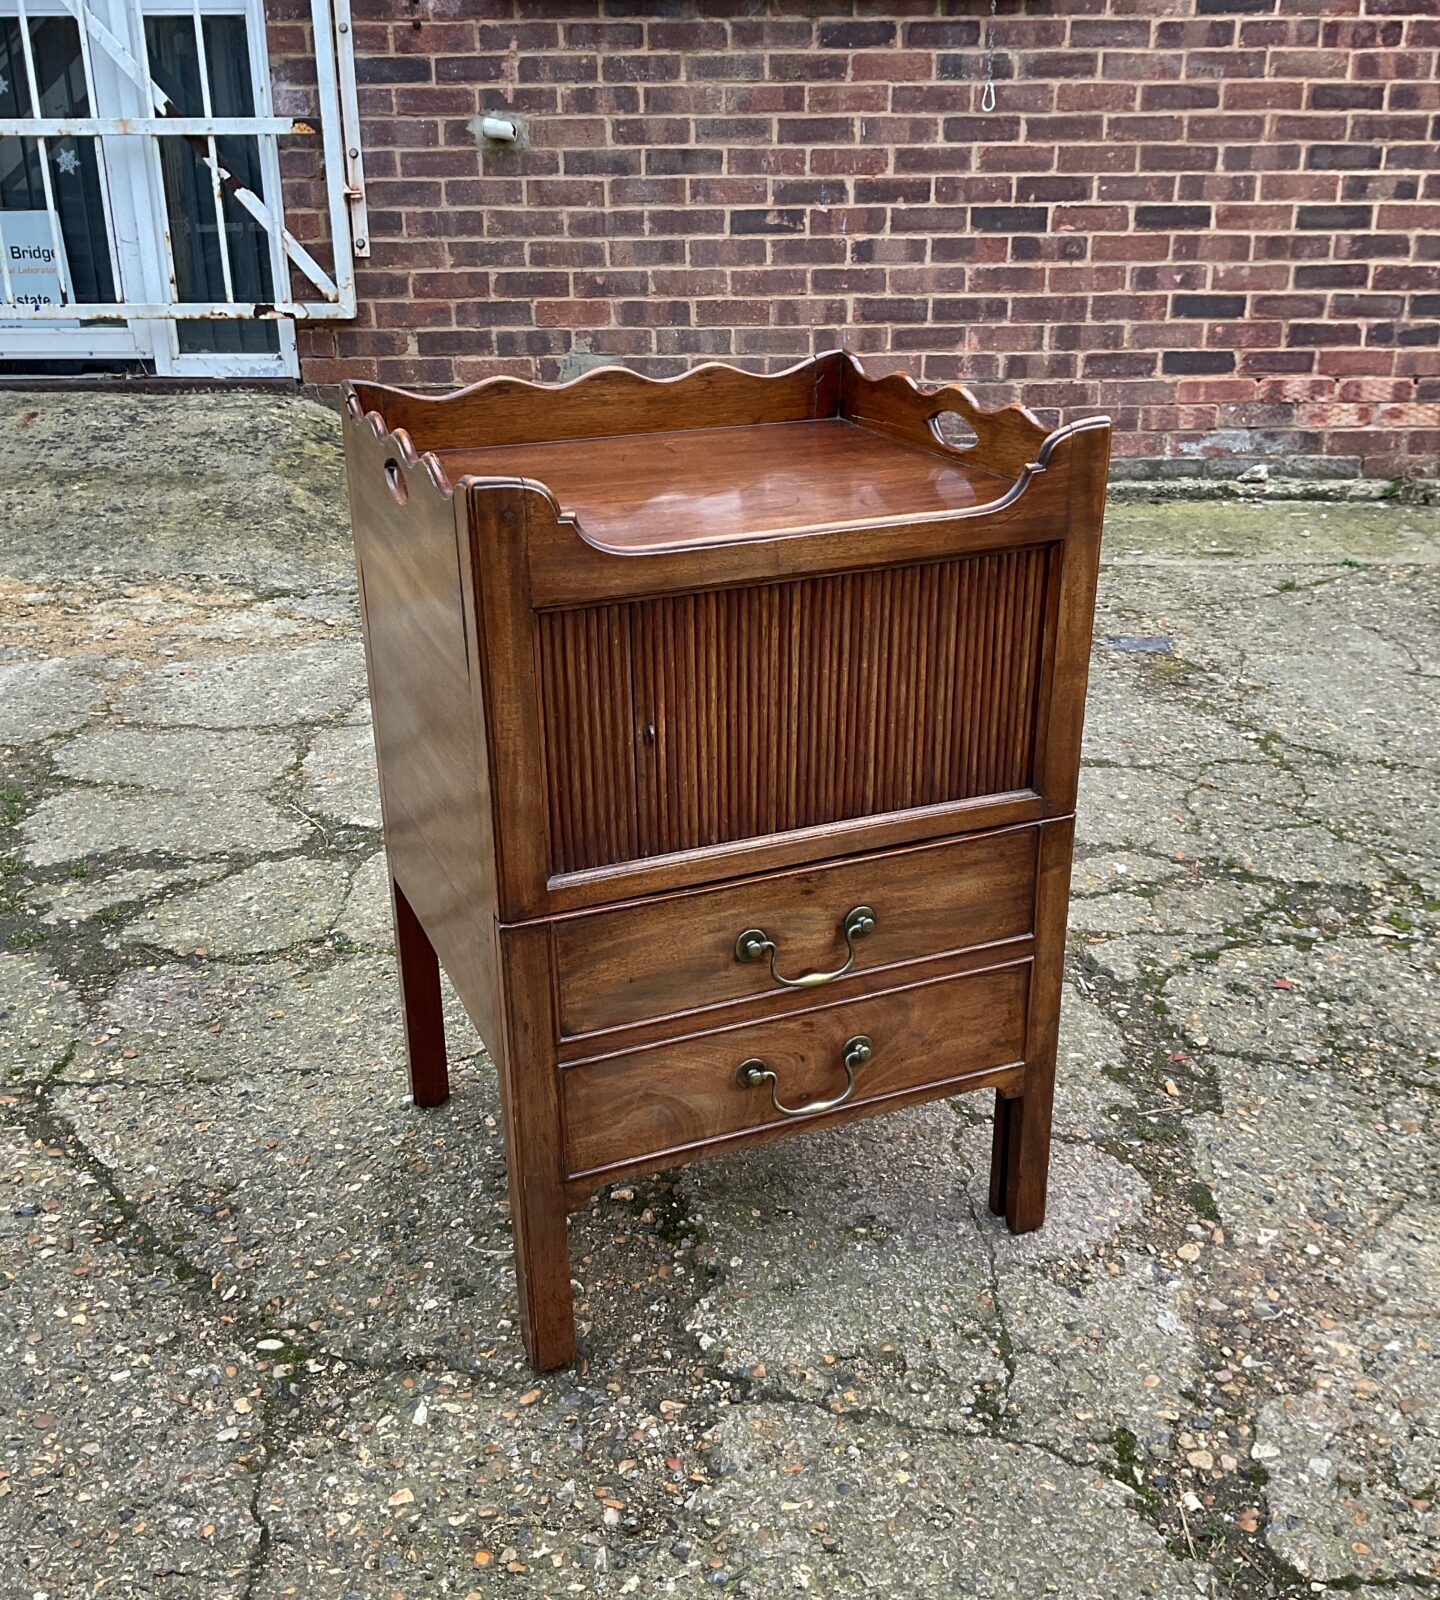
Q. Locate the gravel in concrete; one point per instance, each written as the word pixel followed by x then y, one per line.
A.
pixel 136 1467
pixel 76 900
pixel 39 699
pixel 41 1017
pixel 367 918
pixel 184 763
pixel 340 777
pixel 79 824
pixel 306 683
pixel 267 907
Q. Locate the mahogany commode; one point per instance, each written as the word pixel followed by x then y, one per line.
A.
pixel 729 729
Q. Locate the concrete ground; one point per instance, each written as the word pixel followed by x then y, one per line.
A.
pixel 259 1333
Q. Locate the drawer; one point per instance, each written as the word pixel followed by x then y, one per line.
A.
pixel 678 953
pixel 949 1033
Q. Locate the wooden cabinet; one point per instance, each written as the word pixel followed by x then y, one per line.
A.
pixel 729 730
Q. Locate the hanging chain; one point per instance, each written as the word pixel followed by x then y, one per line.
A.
pixel 987 98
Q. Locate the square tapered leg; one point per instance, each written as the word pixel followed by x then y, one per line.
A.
pixel 420 1005
pixel 1000 1154
pixel 1020 1159
pixel 534 1150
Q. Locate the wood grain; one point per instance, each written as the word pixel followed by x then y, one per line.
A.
pixel 567 569
pixel 579 1190
pixel 633 1107
pixel 421 1006
pixel 534 1158
pixel 648 492
pixel 578 891
pixel 607 401
pixel 675 955
pixel 772 1004
pixel 1072 622
pixel 417 609
pixel 505 642
pixel 1026 1118
pixel 613 402
pixel 1006 441
pixel 670 725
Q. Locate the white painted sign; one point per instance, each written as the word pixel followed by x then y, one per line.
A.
pixel 36 272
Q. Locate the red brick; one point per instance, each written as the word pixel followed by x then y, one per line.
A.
pixel 702 183
pixel 891 66
pixel 836 163
pixel 1096 158
pixel 829 97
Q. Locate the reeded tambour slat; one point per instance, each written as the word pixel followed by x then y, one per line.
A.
pixel 701 719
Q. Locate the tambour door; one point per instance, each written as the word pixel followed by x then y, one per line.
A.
pixel 689 722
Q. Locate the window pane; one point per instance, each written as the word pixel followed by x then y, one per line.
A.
pixel 190 204
pixel 74 166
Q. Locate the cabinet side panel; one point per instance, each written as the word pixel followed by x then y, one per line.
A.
pixel 694 720
pixel 429 736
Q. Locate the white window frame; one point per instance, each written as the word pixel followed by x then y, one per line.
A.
pixel 113 55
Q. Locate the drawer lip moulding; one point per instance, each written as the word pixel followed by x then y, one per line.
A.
pixel 717 706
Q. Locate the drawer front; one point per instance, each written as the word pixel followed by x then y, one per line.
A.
pixel 673 1097
pixel 678 954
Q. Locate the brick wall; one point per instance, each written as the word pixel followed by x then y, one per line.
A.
pixel 1218 220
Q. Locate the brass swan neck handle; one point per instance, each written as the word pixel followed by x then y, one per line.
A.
pixel 753 1074
pixel 755 944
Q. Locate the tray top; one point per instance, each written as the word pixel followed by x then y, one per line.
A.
pixel 651 491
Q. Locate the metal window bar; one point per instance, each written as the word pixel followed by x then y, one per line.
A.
pixel 151 127
pixel 344 192
pixel 320 16
pixel 222 233
pixel 7 289
pixel 88 71
pixel 350 125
